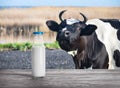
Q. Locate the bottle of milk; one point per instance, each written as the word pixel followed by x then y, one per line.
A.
pixel 38 55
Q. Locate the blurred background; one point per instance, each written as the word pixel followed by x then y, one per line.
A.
pixel 19 18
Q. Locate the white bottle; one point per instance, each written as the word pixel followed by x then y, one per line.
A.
pixel 38 55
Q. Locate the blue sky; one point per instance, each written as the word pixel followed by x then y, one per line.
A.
pixel 60 3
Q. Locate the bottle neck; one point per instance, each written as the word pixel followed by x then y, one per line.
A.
pixel 38 40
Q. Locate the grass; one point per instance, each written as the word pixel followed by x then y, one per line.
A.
pixel 53 45
pixel 26 46
pixel 16 46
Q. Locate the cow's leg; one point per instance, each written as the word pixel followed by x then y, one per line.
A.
pixel 75 58
pixel 111 63
pixel 117 57
pixel 76 62
pixel 111 59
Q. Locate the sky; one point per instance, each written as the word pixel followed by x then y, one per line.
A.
pixel 60 3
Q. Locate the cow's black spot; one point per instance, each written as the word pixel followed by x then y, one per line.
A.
pixel 117 57
pixel 114 22
pixel 118 34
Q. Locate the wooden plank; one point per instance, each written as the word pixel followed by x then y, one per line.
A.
pixel 64 78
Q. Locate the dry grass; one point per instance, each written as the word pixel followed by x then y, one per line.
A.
pixel 39 15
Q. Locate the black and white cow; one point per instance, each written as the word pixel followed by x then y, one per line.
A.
pixel 71 35
pixel 108 32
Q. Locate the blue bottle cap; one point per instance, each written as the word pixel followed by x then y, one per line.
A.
pixel 40 33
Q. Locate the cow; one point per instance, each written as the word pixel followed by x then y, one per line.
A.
pixel 108 32
pixel 71 35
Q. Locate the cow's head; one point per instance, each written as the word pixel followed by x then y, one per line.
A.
pixel 69 31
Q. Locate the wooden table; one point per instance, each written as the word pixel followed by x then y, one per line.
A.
pixel 69 78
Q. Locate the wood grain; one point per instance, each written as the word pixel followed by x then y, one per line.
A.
pixel 60 78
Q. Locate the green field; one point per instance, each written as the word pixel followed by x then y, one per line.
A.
pixel 26 46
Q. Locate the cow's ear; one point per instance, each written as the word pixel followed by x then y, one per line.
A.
pixel 88 30
pixel 52 25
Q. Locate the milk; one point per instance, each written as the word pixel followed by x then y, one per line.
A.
pixel 38 55
pixel 38 61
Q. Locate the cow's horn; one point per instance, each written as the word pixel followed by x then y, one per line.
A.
pixel 60 14
pixel 85 19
